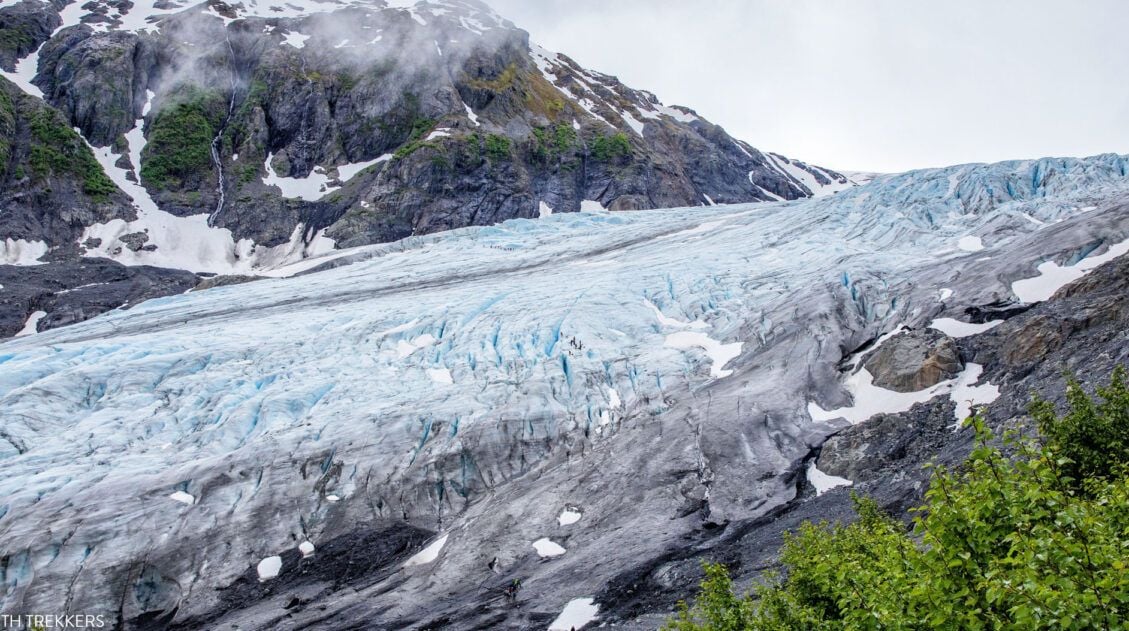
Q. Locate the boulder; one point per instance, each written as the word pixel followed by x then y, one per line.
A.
pixel 914 361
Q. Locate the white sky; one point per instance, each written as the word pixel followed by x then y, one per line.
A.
pixel 883 85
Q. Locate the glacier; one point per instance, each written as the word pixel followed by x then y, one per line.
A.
pixel 487 386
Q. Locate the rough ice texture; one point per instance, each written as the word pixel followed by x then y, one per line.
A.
pixel 267 400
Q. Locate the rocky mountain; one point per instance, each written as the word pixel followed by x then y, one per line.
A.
pixel 235 138
pixel 546 422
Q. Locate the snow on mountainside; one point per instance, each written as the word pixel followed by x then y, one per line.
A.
pixel 223 217
pixel 427 415
pixel 242 138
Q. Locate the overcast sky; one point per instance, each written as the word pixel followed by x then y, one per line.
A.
pixel 883 85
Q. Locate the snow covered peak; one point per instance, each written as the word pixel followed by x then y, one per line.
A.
pixel 145 15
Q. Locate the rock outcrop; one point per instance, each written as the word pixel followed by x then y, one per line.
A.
pixel 73 291
pixel 914 361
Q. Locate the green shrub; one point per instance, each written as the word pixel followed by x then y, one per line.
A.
pixel 419 127
pixel 609 148
pixel 7 130
pixel 552 142
pixel 497 147
pixel 1003 543
pixel 1094 436
pixel 57 150
pixel 14 40
pixel 180 139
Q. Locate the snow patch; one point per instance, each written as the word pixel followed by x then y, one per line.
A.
pixel 405 348
pixel 295 39
pixel 569 516
pixel 306 548
pixel 719 354
pixel 182 497
pixel 798 174
pixel 22 252
pixel 576 614
pixel 635 124
pixel 956 328
pixel 269 568
pixel 613 398
pixel 664 320
pixel 592 206
pixel 316 185
pixel 428 554
pixel 31 327
pixel 471 115
pixel 1053 277
pixel 440 375
pixel 966 394
pixel 823 482
pixel 870 400
pixel 970 243
pixel 946 293
pixel 544 210
pixel 547 549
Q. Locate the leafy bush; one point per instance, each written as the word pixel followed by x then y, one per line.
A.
pixel 1001 544
pixel 497 147
pixel 7 130
pixel 552 142
pixel 1093 436
pixel 180 139
pixel 57 150
pixel 608 148
pixel 415 142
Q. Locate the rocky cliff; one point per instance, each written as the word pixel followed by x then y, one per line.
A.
pixel 234 138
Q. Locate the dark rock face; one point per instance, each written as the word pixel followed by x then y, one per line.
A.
pixel 480 125
pixel 471 123
pixel 355 560
pixel 71 292
pixel 914 361
pixel 51 187
pixel 24 26
pixel 224 281
pixel 879 447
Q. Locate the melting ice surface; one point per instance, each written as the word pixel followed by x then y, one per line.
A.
pixel 491 313
pixel 561 322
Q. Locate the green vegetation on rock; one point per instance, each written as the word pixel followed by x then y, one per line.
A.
pixel 14 39
pixel 609 148
pixel 504 81
pixel 57 150
pixel 1035 540
pixel 7 131
pixel 552 142
pixel 180 139
pixel 415 142
pixel 497 147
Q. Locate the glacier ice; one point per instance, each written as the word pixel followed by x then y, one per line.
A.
pixel 290 409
